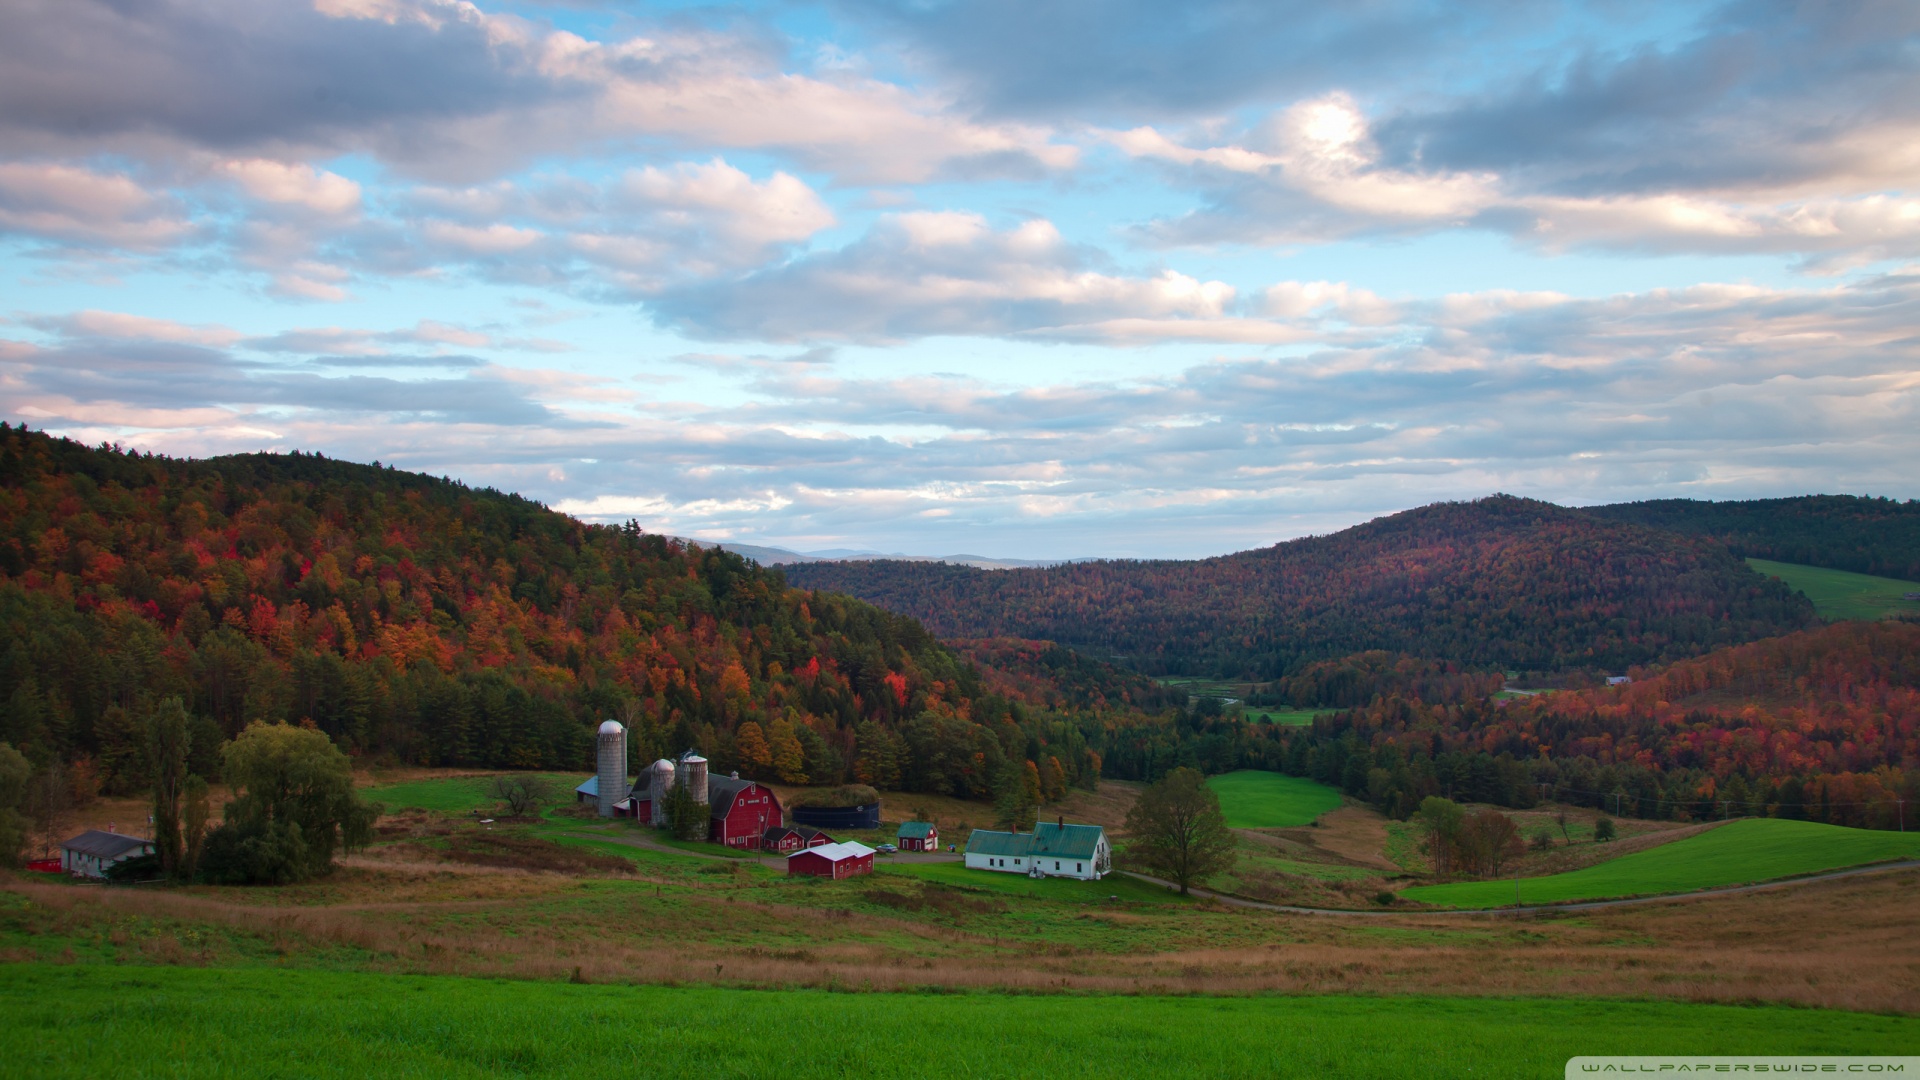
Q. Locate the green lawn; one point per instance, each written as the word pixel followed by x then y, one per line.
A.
pixel 1758 849
pixel 460 794
pixel 88 1021
pixel 1268 800
pixel 1839 594
pixel 1053 888
pixel 1290 717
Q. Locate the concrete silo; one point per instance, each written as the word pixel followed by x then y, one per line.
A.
pixel 659 779
pixel 612 761
pixel 691 770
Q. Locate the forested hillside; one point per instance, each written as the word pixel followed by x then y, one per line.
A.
pixel 426 622
pixel 1843 532
pixel 1822 724
pixel 1501 583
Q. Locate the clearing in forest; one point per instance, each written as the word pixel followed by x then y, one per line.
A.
pixel 1253 799
pixel 1753 850
pixel 1841 594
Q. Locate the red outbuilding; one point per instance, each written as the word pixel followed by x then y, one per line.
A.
pixel 740 812
pixel 781 840
pixel 832 861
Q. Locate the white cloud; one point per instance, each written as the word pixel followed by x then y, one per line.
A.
pixel 70 204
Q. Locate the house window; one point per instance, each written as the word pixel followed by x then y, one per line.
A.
pixel 1056 864
pixel 1076 868
pixel 1016 862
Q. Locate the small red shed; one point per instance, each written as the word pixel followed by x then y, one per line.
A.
pixel 832 861
pixel 781 840
pixel 918 836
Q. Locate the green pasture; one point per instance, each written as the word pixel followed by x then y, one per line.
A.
pixel 1253 799
pixel 1753 850
pixel 1840 594
pixel 460 794
pixel 87 1021
pixel 1289 717
pixel 1052 888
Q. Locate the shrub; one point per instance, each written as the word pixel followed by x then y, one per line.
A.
pixel 1541 840
pixel 255 852
pixel 1603 829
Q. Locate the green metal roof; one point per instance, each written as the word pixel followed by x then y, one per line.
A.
pixel 1047 840
pixel 1066 841
pixel 914 830
pixel 989 842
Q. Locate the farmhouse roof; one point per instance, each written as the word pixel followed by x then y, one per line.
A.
pixel 914 830
pixel 104 845
pixel 1066 841
pixel 993 842
pixel 836 852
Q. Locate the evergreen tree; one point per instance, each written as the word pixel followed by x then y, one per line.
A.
pixel 169 741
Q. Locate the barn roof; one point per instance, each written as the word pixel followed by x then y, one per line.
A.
pixel 104 845
pixel 590 789
pixel 915 830
pixel 1064 841
pixel 992 842
pixel 722 790
pixel 836 852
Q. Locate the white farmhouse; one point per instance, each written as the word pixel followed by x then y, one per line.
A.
pixel 93 852
pixel 1051 850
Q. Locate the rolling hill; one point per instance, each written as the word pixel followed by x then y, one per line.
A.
pixel 1500 583
pixel 418 620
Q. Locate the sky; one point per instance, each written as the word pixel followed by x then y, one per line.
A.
pixel 1016 279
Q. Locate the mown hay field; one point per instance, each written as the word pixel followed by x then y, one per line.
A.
pixel 1841 594
pixel 1252 799
pixel 1743 852
pixel 89 1020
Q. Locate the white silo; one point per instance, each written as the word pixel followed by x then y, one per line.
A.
pixel 612 772
pixel 691 770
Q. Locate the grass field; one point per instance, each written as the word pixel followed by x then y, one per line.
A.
pixel 1267 800
pixel 75 1021
pixel 1289 717
pixel 1758 849
pixel 1838 594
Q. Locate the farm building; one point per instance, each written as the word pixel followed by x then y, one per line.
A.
pixel 741 812
pixel 1056 850
pixel 781 840
pixel 92 852
pixel 811 837
pixel 918 836
pixel 831 861
pixel 865 816
pixel 1618 680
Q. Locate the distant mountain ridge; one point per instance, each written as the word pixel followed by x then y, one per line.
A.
pixel 774 556
pixel 1500 582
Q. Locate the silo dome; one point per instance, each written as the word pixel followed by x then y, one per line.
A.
pixel 611 727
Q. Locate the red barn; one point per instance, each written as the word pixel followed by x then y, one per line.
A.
pixel 740 812
pixel 832 861
pixel 782 840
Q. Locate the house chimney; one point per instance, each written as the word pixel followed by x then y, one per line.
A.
pixel 1061 821
pixel 736 774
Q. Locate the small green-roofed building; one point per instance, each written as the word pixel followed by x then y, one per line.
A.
pixel 1051 850
pixel 918 836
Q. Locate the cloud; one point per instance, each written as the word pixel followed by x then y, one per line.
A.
pixel 1710 391
pixel 923 273
pixel 444 90
pixel 70 205
pixel 1316 172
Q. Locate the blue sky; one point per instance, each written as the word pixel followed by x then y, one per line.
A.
pixel 1021 280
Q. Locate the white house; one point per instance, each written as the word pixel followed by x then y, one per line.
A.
pixel 93 851
pixel 1051 850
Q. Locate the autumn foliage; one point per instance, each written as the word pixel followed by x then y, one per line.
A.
pixel 1501 583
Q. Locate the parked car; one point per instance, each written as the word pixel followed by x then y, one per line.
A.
pixel 886 849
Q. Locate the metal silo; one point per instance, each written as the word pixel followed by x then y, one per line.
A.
pixel 612 772
pixel 691 770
